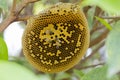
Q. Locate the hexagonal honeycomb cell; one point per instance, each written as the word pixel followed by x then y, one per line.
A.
pixel 56 39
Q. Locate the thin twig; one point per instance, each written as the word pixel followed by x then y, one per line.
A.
pixel 85 10
pixel 93 52
pixel 91 66
pixel 23 5
pixel 103 35
pixel 94 27
pixel 98 12
pixel 53 76
pixel 102 26
pixel 114 17
pixel 23 18
pixel 113 20
pixel 12 11
pixel 99 38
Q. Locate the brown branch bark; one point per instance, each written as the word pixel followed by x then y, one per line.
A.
pixel 23 18
pixel 93 52
pixel 99 38
pixel 24 3
pixel 98 12
pixel 101 27
pixel 6 23
pixel 96 29
pixel 114 17
pixel 90 66
pixel 14 13
pixel 53 76
pixel 85 10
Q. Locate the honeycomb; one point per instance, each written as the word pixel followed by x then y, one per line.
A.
pixel 57 38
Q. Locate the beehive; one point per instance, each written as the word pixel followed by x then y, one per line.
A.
pixel 57 38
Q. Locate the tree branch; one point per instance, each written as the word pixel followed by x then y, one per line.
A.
pixel 23 18
pixel 101 27
pixel 93 52
pixel 91 66
pixel 98 12
pixel 14 13
pixel 53 76
pixel 21 6
pixel 114 17
pixel 99 38
pixel 6 23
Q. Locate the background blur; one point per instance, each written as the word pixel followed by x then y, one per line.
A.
pixel 101 61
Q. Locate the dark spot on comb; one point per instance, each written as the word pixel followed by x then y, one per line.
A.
pixel 51 33
pixel 56 36
pixel 64 10
pixel 50 12
pixel 56 27
pixel 51 37
pixel 60 34
pixel 58 10
pixel 60 24
pixel 63 35
pixel 43 33
pixel 61 30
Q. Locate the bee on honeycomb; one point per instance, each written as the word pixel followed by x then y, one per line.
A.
pixel 57 38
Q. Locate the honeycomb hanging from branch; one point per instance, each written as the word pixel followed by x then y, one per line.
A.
pixel 56 39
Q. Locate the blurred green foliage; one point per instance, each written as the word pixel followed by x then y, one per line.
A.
pixel 3 50
pixel 98 74
pixel 19 69
pixel 110 6
pixel 40 6
pixel 3 4
pixel 14 71
pixel 113 45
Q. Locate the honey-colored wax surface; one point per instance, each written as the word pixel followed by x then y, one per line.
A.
pixel 56 39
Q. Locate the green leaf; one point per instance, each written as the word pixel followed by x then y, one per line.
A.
pixel 62 75
pixel 111 6
pixel 78 73
pixel 104 22
pixel 3 4
pixel 114 78
pixel 90 15
pixel 44 77
pixel 14 71
pixel 99 73
pixel 113 50
pixel 39 6
pixel 3 50
pixel 96 74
